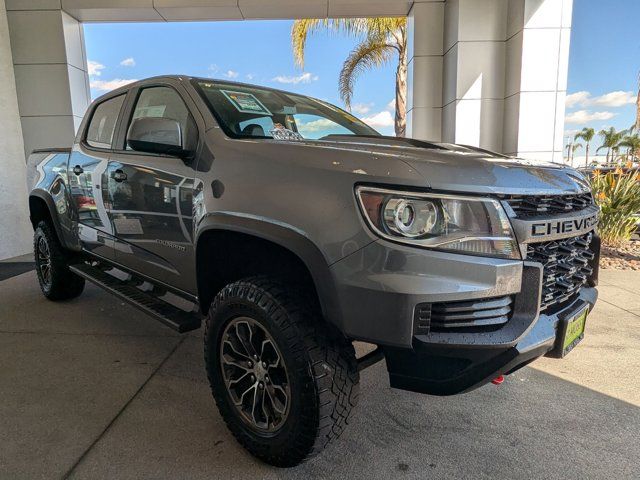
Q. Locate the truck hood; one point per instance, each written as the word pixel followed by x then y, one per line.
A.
pixel 468 169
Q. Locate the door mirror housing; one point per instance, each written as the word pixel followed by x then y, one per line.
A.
pixel 157 135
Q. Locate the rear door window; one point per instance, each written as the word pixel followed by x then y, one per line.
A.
pixel 103 122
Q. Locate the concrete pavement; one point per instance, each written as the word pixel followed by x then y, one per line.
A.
pixel 93 389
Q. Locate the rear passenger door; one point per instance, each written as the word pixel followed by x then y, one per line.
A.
pixel 151 195
pixel 87 167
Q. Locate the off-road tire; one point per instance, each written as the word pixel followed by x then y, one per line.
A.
pixel 320 362
pixel 62 283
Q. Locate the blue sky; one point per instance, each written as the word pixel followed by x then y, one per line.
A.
pixel 254 52
pixel 603 66
pixel 604 63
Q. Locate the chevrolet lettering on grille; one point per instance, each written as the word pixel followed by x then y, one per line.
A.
pixel 576 225
pixel 541 229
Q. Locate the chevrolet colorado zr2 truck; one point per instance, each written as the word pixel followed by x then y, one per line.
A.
pixel 292 229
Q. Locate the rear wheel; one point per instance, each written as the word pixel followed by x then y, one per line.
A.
pixel 57 282
pixel 285 383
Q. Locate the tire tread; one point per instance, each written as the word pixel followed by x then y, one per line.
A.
pixel 329 357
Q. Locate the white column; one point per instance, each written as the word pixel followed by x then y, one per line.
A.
pixel 425 32
pixel 15 232
pixel 473 94
pixel 50 71
pixel 536 82
pixel 490 73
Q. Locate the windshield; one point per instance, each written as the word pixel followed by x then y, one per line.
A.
pixel 252 112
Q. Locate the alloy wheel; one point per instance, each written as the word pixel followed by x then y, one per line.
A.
pixel 255 375
pixel 44 261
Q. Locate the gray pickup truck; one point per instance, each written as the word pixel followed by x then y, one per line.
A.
pixel 292 229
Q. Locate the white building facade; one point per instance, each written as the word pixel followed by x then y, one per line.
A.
pixel 490 73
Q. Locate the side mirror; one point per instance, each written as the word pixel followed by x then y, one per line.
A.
pixel 157 135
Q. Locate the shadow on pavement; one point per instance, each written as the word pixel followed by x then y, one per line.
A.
pixel 68 370
pixel 535 425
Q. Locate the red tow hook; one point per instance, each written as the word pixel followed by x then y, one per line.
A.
pixel 498 380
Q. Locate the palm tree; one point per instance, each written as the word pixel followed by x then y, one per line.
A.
pixel 611 141
pixel 587 135
pixel 636 125
pixel 632 143
pixel 568 147
pixel 380 40
pixel 574 147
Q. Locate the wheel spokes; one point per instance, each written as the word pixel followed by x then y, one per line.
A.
pixel 233 348
pixel 246 338
pixel 269 354
pixel 44 261
pixel 276 403
pixel 240 401
pixel 254 374
pixel 258 413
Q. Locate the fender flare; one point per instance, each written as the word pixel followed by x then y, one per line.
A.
pixel 290 238
pixel 53 214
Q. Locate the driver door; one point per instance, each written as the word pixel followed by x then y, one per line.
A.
pixel 151 197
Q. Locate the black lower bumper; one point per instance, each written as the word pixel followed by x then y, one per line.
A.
pixel 457 363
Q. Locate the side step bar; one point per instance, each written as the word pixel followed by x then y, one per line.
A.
pixel 172 316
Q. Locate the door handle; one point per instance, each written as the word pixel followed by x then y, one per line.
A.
pixel 78 170
pixel 119 176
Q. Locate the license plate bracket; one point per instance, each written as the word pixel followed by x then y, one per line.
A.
pixel 571 332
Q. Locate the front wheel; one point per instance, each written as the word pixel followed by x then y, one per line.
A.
pixel 285 383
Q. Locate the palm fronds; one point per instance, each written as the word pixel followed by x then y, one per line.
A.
pixel 378 39
pixel 365 56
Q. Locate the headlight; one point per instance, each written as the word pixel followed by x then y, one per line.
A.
pixel 473 225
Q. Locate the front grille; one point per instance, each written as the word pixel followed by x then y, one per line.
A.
pixel 484 312
pixel 566 265
pixel 534 205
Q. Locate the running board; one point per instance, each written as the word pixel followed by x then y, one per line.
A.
pixel 172 316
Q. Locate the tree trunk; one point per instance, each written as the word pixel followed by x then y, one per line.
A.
pixel 586 156
pixel 401 96
pixel 637 125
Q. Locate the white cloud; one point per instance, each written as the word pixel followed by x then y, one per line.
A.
pixel 617 98
pixel 584 116
pixel 614 99
pixel 93 68
pixel 128 62
pixel 361 108
pixel 577 98
pixel 382 119
pixel 107 85
pixel 391 106
pixel 570 133
pixel 231 74
pixel 305 77
pixel 250 76
pixel 316 125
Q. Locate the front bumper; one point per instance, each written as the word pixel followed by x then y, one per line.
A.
pixel 441 369
pixel 382 284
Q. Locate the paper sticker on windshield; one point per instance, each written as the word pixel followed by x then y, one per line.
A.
pixel 245 102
